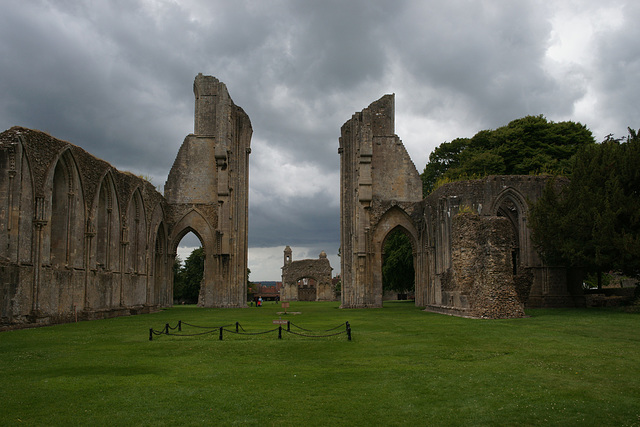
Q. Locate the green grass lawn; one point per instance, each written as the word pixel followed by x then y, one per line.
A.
pixel 402 367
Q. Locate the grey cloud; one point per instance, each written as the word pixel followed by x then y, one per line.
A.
pixel 617 68
pixel 489 54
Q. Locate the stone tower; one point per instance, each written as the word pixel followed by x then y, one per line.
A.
pixel 287 255
pixel 207 192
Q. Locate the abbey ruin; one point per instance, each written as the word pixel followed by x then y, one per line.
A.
pixel 306 279
pixel 82 240
pixel 472 251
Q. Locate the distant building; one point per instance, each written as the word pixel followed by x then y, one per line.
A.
pixel 268 290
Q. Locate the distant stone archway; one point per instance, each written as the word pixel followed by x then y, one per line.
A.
pixel 317 287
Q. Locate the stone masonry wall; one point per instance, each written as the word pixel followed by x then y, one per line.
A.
pixel 317 269
pixel 481 280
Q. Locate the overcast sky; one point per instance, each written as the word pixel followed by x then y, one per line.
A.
pixel 115 77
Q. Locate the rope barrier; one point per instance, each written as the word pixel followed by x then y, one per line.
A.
pixel 326 330
pixel 238 328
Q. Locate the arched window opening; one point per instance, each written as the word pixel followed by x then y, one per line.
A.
pixel 188 270
pixel 159 265
pixel 107 226
pixel 398 274
pixel 60 215
pixel 102 227
pixel 136 233
pixel 66 226
pixel 509 210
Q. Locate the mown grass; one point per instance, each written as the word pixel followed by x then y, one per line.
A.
pixel 403 367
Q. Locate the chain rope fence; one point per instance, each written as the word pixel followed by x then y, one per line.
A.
pixel 239 330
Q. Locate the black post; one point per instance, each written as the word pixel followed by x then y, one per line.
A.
pixel 280 332
pixel 180 325
pixel 348 331
pixel 237 323
pixel 150 334
pixel 288 325
pixel 220 333
pixel 166 329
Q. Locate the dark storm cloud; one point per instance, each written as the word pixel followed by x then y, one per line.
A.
pixel 302 221
pixel 488 54
pixel 618 63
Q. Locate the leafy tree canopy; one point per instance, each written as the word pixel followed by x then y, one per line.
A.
pixel 397 267
pixel 594 221
pixel 529 145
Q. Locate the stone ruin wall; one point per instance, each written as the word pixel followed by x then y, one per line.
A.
pixel 68 223
pixel 480 282
pixel 375 171
pixel 316 269
pixel 207 192
pixel 381 192
pixel 81 240
pixel 537 284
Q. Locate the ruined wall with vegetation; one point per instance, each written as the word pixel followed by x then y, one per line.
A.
pixel 381 192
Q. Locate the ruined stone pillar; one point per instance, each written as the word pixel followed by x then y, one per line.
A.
pixel 375 170
pixel 207 192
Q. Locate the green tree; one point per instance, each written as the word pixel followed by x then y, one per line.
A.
pixel 187 278
pixel 525 146
pixel 593 222
pixel 397 268
pixel 178 279
pixel 251 287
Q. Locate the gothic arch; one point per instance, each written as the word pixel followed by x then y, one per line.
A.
pixel 106 223
pixel 64 243
pixel 135 224
pixel 196 223
pixel 159 261
pixel 17 221
pixel 511 204
pixel 394 219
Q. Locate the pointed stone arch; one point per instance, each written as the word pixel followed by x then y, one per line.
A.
pixel 159 261
pixel 511 204
pixel 16 222
pixel 134 232
pixel 195 222
pixel 105 215
pixel 394 219
pixel 63 244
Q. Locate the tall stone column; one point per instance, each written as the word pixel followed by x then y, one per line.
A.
pixel 207 192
